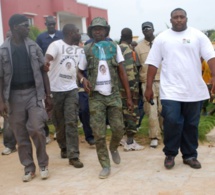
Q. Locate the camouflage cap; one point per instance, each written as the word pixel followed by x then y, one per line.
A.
pixel 98 21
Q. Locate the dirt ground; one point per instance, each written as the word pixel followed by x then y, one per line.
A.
pixel 140 172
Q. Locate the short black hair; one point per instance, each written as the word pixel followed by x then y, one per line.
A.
pixel 126 35
pixel 68 28
pixel 178 9
pixel 50 18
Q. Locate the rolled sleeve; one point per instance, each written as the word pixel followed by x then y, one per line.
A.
pixel 83 61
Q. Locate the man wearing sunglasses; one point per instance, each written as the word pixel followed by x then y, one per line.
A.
pixel 44 40
pixel 153 111
pixel 23 87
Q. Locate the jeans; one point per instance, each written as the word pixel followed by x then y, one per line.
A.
pixel 84 115
pixel 181 120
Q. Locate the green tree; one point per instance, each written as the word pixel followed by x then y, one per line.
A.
pixel 210 33
pixel 212 37
pixel 34 32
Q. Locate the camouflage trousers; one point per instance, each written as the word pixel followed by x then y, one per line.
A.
pixel 101 106
pixel 65 120
pixel 131 119
pixel 154 112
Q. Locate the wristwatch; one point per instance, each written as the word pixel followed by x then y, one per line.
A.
pixel 49 95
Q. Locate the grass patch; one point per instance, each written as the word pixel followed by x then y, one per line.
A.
pixel 206 124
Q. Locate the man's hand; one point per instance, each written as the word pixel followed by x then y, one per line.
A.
pixel 46 66
pixel 149 95
pixel 130 105
pixel 3 109
pixel 87 85
pixel 48 104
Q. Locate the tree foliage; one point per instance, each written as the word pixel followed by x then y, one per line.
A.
pixel 34 32
pixel 211 34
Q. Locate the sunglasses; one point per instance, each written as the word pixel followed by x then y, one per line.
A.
pixel 147 29
pixel 51 24
pixel 24 25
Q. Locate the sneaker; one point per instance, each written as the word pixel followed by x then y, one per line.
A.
pixel 80 125
pixel 55 136
pixel 115 156
pixel 122 142
pixel 28 176
pixel 63 153
pixel 133 147
pixel 7 151
pixel 108 126
pixel 48 140
pixel 192 162
pixel 105 172
pixel 154 143
pixel 169 162
pixel 76 162
pixel 91 142
pixel 44 172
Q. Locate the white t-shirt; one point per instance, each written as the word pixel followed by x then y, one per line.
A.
pixel 63 69
pixel 181 72
pixel 103 81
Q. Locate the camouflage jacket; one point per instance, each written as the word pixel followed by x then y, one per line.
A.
pixel 131 70
pixel 93 55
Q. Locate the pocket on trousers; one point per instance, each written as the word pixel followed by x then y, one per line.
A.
pixel 43 112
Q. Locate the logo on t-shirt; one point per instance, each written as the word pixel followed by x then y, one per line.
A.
pixel 186 40
pixel 68 65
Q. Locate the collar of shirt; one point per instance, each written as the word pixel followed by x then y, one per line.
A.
pixel 147 42
pixel 56 34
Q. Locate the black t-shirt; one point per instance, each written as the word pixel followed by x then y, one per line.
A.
pixel 22 70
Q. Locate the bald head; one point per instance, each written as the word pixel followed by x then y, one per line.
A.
pixel 71 33
pixel 50 24
pixel 68 28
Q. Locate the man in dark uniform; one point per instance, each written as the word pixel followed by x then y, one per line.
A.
pixel 24 86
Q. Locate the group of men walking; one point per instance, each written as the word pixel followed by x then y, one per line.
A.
pixel 169 67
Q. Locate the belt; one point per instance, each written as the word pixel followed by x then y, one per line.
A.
pixel 23 86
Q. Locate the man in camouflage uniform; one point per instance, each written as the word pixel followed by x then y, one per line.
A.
pixel 153 111
pixel 103 62
pixel 131 119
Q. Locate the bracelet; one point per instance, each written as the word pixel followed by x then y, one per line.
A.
pixel 81 80
pixel 50 95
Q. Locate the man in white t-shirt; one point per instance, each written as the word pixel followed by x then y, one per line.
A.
pixel 63 57
pixel 103 63
pixel 182 89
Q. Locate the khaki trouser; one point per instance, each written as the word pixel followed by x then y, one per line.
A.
pixel 153 111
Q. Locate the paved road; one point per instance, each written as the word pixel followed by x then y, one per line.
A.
pixel 140 172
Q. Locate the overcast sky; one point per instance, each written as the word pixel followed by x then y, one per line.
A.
pixel 132 13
